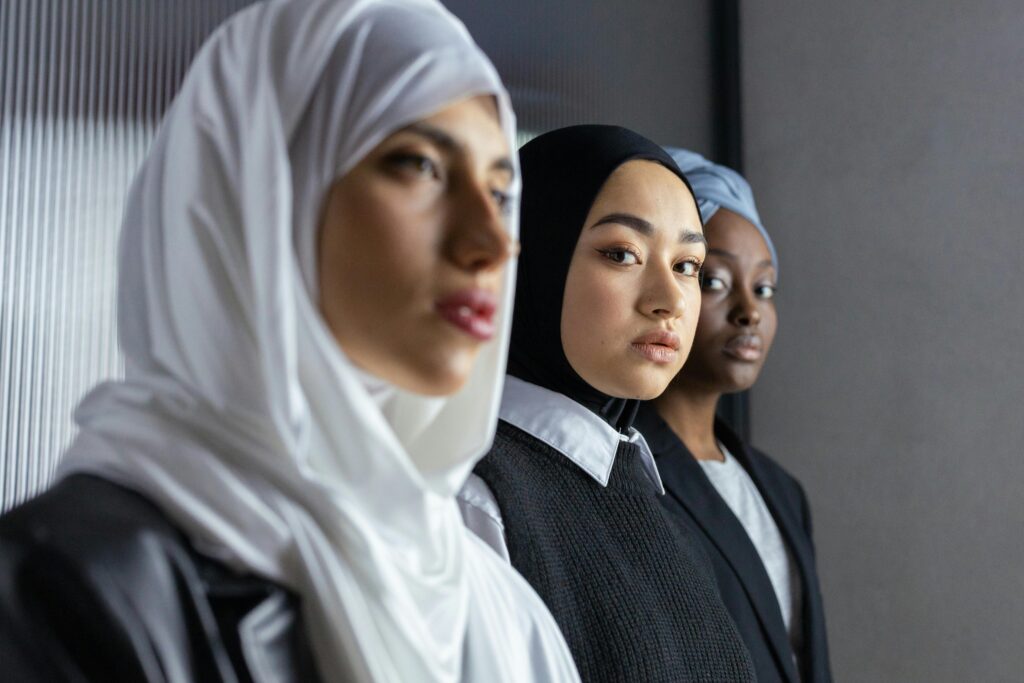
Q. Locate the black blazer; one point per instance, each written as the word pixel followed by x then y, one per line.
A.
pixel 693 501
pixel 96 584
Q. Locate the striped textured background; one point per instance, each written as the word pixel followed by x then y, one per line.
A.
pixel 83 84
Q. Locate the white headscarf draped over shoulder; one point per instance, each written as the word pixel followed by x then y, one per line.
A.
pixel 240 416
pixel 718 186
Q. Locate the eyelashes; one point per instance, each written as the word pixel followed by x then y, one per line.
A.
pixel 503 200
pixel 689 268
pixel 711 283
pixel 414 166
pixel 621 256
pixel 626 256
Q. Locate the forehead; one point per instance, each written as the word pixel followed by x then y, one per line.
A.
pixel 729 231
pixel 473 125
pixel 649 189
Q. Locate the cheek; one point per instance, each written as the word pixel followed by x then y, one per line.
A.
pixel 586 316
pixel 693 306
pixel 381 246
pixel 769 326
pixel 707 331
pixel 712 317
pixel 595 305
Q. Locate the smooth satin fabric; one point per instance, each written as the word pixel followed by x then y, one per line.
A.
pixel 718 186
pixel 240 416
pixel 563 172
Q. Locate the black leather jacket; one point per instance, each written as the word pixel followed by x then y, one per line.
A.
pixel 96 584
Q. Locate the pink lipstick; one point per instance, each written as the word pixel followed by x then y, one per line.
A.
pixel 659 347
pixel 744 347
pixel 470 310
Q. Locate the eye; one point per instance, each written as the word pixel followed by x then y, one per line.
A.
pixel 414 165
pixel 765 291
pixel 689 268
pixel 713 284
pixel 625 257
pixel 503 200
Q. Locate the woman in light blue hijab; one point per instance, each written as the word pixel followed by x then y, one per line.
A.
pixel 751 515
pixel 720 187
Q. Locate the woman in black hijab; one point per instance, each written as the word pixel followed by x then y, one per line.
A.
pixel 606 306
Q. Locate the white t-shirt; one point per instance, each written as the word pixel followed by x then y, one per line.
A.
pixel 735 486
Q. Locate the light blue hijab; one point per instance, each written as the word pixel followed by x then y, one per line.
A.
pixel 717 186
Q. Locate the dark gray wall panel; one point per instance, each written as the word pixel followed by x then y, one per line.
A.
pixel 645 66
pixel 885 145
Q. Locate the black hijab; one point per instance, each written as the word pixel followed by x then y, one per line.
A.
pixel 563 172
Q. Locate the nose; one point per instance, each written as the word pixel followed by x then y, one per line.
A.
pixel 477 239
pixel 744 312
pixel 663 295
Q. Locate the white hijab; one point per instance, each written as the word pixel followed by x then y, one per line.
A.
pixel 240 416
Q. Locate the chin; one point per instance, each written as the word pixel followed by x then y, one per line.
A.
pixel 652 392
pixel 444 376
pixel 735 380
pixel 644 388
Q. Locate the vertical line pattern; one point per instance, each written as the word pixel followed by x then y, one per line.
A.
pixel 83 85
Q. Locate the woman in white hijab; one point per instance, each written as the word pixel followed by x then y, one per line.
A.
pixel 313 305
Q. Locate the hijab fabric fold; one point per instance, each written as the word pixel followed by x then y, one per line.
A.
pixel 717 187
pixel 241 417
pixel 563 172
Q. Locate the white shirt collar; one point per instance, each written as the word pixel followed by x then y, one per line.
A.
pixel 571 429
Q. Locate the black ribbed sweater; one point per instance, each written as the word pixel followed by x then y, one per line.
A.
pixel 634 597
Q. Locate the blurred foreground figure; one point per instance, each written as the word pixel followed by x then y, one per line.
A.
pixel 313 304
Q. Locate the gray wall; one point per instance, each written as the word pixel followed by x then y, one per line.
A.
pixel 643 65
pixel 884 141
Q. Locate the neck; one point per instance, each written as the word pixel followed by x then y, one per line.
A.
pixel 690 413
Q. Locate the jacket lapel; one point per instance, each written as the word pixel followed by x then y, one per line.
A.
pixel 684 479
pixel 792 528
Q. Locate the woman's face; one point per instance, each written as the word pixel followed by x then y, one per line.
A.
pixel 737 317
pixel 632 294
pixel 412 248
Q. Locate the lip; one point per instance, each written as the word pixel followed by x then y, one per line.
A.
pixel 744 347
pixel 470 310
pixel 660 347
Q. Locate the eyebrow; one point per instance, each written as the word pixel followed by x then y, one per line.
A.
pixel 644 227
pixel 733 257
pixel 450 145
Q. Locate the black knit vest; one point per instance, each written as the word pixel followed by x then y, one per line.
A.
pixel 634 597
